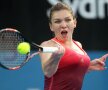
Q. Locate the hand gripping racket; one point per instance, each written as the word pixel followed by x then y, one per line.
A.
pixel 9 57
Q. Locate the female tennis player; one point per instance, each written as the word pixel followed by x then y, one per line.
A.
pixel 65 69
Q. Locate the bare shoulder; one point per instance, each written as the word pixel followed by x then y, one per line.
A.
pixel 79 43
pixel 48 43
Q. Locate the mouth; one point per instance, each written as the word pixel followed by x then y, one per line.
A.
pixel 64 33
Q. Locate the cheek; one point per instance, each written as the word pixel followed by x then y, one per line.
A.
pixel 55 28
pixel 72 25
pixel 52 27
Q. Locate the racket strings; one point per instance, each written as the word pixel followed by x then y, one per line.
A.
pixel 9 56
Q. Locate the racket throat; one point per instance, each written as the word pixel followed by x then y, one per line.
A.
pixel 14 68
pixel 36 46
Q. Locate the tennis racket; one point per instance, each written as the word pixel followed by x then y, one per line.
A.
pixel 9 57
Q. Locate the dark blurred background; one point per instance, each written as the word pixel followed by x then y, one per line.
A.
pixel 30 17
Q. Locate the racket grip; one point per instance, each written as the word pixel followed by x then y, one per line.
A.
pixel 49 49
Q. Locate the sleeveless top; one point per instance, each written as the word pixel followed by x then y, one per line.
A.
pixel 71 70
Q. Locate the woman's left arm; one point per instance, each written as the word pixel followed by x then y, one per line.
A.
pixel 98 64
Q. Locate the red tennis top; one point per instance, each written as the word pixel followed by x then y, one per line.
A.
pixel 71 70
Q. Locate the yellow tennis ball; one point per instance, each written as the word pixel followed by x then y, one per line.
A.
pixel 23 48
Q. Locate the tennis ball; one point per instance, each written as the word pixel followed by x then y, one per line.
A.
pixel 23 48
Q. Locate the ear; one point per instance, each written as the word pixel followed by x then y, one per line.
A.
pixel 50 25
pixel 75 23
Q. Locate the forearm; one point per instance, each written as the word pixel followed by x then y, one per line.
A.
pixel 50 61
pixel 51 66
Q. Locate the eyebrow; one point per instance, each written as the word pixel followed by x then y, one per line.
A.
pixel 60 19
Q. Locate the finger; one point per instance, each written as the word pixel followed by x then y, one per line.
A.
pixel 98 68
pixel 103 58
pixel 101 62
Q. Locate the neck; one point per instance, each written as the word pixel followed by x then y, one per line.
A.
pixel 67 42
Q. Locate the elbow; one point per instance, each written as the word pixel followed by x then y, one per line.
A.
pixel 48 74
pixel 49 71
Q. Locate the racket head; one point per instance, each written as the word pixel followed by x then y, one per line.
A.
pixel 9 56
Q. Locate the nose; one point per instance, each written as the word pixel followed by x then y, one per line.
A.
pixel 63 24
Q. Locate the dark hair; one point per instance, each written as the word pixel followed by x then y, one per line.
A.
pixel 60 6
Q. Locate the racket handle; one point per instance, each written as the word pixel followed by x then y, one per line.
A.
pixel 49 49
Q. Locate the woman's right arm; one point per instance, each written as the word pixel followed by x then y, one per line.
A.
pixel 50 61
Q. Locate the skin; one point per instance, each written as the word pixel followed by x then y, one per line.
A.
pixel 62 21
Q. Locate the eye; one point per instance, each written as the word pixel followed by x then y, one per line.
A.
pixel 68 20
pixel 57 21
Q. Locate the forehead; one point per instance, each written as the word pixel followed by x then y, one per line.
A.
pixel 61 14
